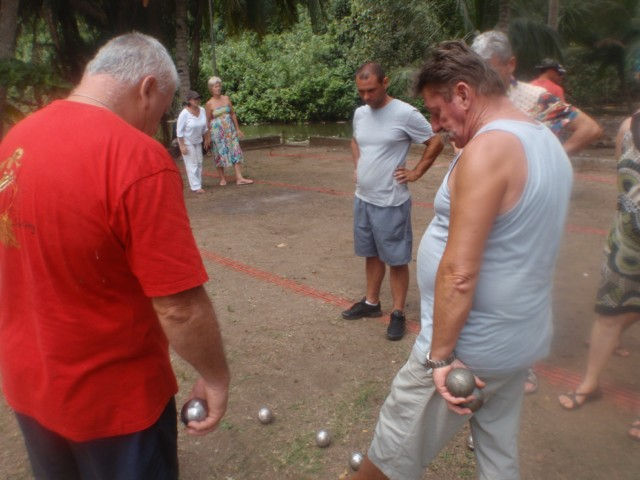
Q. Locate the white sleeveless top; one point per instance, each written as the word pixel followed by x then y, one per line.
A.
pixel 509 326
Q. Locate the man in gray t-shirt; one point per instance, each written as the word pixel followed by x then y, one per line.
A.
pixel 383 130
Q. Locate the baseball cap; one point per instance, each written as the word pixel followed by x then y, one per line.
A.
pixel 550 63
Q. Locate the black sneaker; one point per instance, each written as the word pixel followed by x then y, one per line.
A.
pixel 396 328
pixel 362 309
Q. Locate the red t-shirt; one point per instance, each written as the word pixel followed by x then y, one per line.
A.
pixel 92 224
pixel 549 86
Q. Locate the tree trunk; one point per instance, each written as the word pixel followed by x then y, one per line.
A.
pixel 8 27
pixel 198 12
pixel 212 33
pixel 553 17
pixel 504 15
pixel 182 48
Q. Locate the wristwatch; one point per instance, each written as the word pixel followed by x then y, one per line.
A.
pixel 439 363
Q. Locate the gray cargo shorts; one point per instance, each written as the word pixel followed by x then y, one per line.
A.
pixel 415 424
pixel 383 232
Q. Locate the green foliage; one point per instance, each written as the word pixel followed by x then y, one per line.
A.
pixel 291 77
pixel 588 83
pixel 395 34
pixel 531 42
pixel 28 86
pixel 299 76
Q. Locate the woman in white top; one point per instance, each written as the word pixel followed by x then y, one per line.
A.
pixel 192 131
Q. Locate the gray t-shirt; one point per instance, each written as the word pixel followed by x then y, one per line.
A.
pixel 384 136
pixel 509 325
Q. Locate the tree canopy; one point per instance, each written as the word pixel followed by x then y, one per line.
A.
pixel 293 60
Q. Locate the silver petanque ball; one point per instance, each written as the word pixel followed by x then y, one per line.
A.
pixel 265 415
pixel 478 400
pixel 323 438
pixel 460 382
pixel 195 410
pixel 356 460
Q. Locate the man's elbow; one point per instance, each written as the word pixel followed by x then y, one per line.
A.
pixel 588 129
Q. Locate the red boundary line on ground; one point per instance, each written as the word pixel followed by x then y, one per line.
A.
pixel 338 193
pixel 555 375
pixel 611 180
pixel 585 177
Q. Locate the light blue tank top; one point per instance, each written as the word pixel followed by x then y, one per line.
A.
pixel 509 326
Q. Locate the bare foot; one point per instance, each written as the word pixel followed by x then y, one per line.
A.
pixel 619 351
pixel 223 182
pixel 244 181
pixel 198 191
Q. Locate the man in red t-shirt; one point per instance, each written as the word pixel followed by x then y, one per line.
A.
pixel 99 274
pixel 550 78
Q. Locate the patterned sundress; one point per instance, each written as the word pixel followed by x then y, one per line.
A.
pixel 619 290
pixel 224 138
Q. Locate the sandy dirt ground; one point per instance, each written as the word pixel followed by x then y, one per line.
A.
pixel 280 257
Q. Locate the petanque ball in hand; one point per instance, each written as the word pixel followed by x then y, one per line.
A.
pixel 460 382
pixel 195 410
pixel 476 403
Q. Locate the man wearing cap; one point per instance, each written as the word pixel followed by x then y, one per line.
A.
pixel 550 78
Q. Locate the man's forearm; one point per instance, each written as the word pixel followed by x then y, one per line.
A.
pixel 355 152
pixel 452 304
pixel 433 148
pixel 190 324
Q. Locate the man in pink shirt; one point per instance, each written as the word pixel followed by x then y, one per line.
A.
pixel 551 76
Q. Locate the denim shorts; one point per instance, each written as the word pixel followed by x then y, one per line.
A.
pixel 383 232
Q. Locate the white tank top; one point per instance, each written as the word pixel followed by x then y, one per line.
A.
pixel 509 326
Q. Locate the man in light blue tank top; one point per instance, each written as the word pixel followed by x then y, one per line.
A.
pixel 485 271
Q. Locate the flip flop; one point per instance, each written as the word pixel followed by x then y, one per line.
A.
pixel 573 396
pixel 634 431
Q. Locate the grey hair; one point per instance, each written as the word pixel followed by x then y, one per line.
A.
pixel 213 80
pixel 491 43
pixel 133 56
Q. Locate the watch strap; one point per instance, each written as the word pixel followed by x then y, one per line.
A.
pixel 439 363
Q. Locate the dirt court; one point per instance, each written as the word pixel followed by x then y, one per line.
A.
pixel 280 257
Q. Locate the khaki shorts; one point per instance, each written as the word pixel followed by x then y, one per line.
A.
pixel 415 424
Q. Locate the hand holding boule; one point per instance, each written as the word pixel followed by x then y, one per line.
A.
pixel 460 382
pixel 453 403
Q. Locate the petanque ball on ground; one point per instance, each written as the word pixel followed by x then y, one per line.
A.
pixel 323 438
pixel 265 415
pixel 356 460
pixel 478 400
pixel 195 410
pixel 460 382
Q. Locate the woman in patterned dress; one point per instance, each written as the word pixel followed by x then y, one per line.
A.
pixel 618 298
pixel 225 133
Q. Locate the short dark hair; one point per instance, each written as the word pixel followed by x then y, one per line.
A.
pixel 452 62
pixel 370 68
